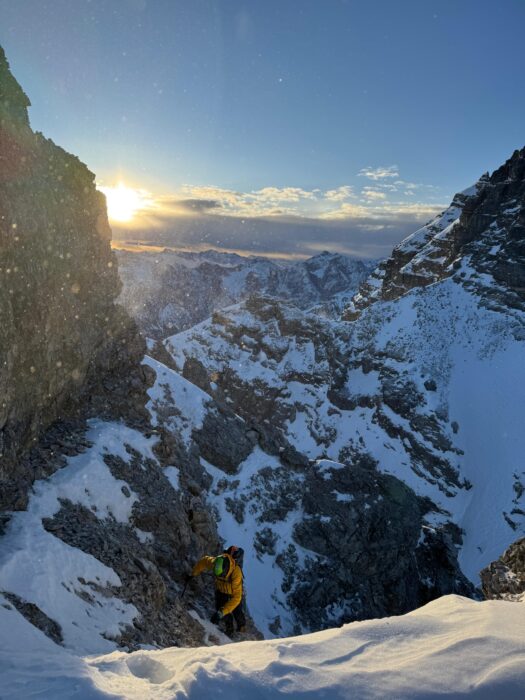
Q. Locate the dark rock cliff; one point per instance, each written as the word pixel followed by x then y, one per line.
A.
pixel 66 348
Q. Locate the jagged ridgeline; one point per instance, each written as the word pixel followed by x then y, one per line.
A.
pixel 65 347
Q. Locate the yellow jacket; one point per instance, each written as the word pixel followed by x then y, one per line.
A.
pixel 231 585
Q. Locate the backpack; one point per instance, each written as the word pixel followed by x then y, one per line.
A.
pixel 237 554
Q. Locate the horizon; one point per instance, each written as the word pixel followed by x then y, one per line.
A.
pixel 280 130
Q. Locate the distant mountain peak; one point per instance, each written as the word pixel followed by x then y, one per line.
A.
pixel 157 293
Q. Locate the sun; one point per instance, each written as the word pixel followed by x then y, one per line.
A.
pixel 123 202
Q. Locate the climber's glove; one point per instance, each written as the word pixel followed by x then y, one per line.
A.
pixel 217 617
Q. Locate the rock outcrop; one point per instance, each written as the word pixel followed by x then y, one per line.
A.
pixel 505 578
pixel 67 349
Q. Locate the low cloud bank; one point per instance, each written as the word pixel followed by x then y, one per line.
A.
pixel 288 236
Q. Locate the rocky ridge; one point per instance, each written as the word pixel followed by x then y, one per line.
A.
pixel 167 292
pixel 68 350
pixel 484 224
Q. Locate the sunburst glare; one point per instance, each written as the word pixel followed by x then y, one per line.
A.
pixel 124 202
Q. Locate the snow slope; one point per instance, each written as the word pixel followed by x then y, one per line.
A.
pixel 452 647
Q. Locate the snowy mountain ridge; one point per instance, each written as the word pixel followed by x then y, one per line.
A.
pixel 427 387
pixel 419 259
pixel 170 291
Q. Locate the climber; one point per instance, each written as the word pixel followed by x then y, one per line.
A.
pixel 227 571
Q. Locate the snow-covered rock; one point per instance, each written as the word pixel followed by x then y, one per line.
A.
pixel 169 291
pixel 97 559
pixel 427 386
pixel 420 259
pixel 505 577
pixel 484 224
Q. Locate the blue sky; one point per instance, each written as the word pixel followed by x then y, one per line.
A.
pixel 260 108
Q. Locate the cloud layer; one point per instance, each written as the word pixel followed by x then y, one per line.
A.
pixel 364 220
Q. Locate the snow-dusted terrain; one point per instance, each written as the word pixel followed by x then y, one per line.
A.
pixel 168 291
pixel 451 648
pixel 68 585
pixel 426 383
pixel 459 446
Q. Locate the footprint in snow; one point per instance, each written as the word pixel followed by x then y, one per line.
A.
pixel 149 669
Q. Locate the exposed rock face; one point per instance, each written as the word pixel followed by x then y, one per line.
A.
pixel 170 291
pixel 420 259
pixel 505 578
pixel 484 224
pixel 365 528
pixel 66 347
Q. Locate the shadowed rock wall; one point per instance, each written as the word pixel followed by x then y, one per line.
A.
pixel 65 347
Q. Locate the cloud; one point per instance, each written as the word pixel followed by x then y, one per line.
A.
pixel 198 205
pixel 379 173
pixel 346 211
pixel 354 229
pixel 280 236
pixel 282 194
pixel 288 221
pixel 340 193
pixel 387 212
pixel 372 194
